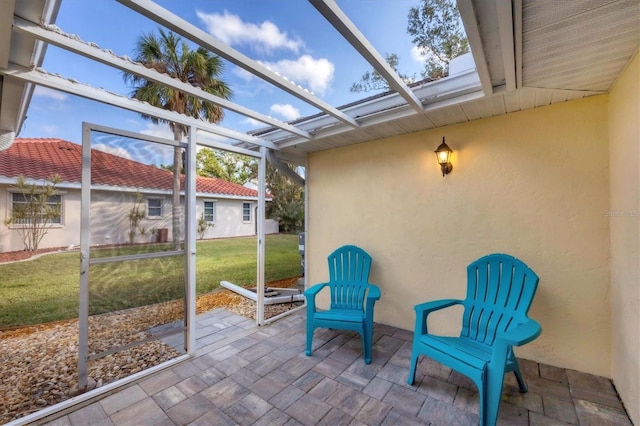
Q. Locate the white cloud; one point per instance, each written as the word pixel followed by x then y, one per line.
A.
pixel 50 129
pixel 50 93
pixel 287 111
pixel 418 54
pixel 265 36
pixel 115 150
pixel 314 73
pixel 159 130
pixel 242 73
pixel 253 122
pixel 421 55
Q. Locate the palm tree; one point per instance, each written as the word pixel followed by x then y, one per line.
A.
pixel 169 54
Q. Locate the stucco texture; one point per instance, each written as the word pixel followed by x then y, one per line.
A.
pixel 624 136
pixel 533 184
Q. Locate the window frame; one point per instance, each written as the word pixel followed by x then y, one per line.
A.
pixel 27 222
pixel 243 213
pixel 150 216
pixel 214 212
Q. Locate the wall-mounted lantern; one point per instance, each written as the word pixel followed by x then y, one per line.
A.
pixel 443 154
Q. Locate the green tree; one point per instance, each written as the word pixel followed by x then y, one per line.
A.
pixel 135 217
pixel 169 54
pixel 287 200
pixel 372 80
pixel 225 165
pixel 35 208
pixel 437 31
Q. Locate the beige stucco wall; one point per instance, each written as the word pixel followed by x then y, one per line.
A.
pixel 534 184
pixel 624 151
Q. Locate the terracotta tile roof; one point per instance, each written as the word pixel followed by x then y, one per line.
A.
pixel 41 158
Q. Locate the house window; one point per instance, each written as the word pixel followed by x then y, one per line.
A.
pixel 25 209
pixel 154 207
pixel 246 212
pixel 209 212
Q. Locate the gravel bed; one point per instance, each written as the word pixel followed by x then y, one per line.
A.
pixel 38 364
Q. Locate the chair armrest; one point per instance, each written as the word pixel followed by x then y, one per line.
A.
pixel 435 305
pixel 524 333
pixel 374 292
pixel 424 309
pixel 372 295
pixel 310 296
pixel 314 289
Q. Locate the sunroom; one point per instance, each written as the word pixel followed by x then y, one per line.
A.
pixel 542 118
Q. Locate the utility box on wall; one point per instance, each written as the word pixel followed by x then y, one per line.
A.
pixel 301 251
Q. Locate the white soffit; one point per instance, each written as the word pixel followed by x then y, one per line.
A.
pixel 578 45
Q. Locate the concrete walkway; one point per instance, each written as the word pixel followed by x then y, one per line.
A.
pixel 245 375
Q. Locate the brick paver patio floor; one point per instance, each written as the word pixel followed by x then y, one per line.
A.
pixel 248 375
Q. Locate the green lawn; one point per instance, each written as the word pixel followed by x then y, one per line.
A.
pixel 46 289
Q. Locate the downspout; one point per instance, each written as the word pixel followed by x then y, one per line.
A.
pixel 283 168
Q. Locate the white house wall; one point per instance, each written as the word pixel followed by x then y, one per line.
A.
pixel 229 221
pixel 110 225
pixel 64 235
pixel 109 222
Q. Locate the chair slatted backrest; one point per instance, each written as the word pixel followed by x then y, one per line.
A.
pixel 349 268
pixel 500 289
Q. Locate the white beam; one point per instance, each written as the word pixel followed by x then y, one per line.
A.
pixel 505 31
pixel 99 95
pixel 126 65
pixel 517 33
pixel 336 17
pixel 470 22
pixel 186 29
pixel 388 108
pixel 190 243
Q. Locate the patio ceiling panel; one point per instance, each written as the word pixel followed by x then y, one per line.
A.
pixel 512 101
pixel 543 97
pixel 471 110
pixel 597 37
pixel 5 30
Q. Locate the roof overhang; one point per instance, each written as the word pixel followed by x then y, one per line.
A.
pixel 15 95
pixel 526 54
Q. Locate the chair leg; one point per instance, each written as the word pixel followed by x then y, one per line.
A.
pixel 516 371
pixel 493 388
pixel 309 339
pixel 367 339
pixel 412 370
pixel 520 379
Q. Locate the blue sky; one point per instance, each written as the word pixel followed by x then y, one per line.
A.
pixel 289 36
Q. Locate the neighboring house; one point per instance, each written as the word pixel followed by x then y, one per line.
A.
pixel 229 207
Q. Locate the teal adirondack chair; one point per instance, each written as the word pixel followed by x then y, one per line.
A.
pixel 500 289
pixel 352 298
